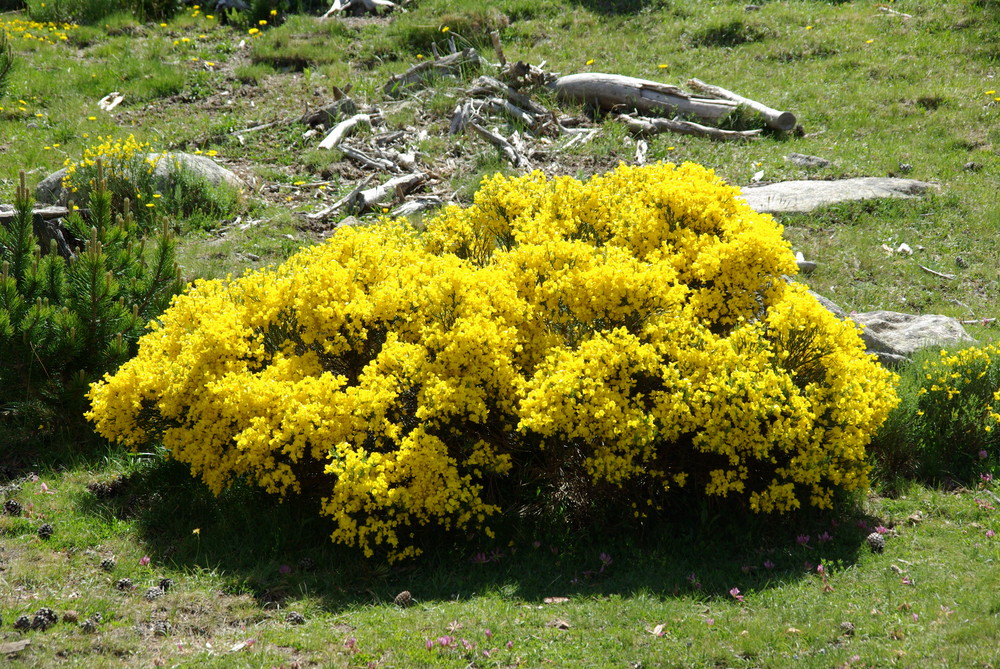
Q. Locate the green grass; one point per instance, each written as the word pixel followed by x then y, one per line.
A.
pixel 872 90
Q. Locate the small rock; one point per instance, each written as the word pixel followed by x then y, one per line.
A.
pixel 972 166
pixel 805 266
pixel 71 616
pixel 751 8
pixel 803 160
pixel 89 625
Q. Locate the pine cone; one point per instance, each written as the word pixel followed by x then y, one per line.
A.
pixel 847 628
pixel 108 564
pixel 22 623
pixel 124 584
pixel 307 564
pixel 89 625
pixel 12 507
pixel 876 542
pixel 166 584
pixel 44 619
pixel 153 593
pixel 403 599
pixel 295 618
pixel 46 530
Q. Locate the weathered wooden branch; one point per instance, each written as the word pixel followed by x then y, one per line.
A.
pixel 516 159
pixel 938 274
pixel 650 126
pixel 495 38
pixel 362 199
pixel 358 7
pixel 451 64
pixel 779 120
pixel 615 92
pixel 341 130
pixel 370 161
pixel 417 204
pixel 329 113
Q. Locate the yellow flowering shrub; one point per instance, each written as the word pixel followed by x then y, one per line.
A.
pixel 635 329
pixel 951 426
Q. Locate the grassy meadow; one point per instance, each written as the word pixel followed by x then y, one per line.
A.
pixel 907 88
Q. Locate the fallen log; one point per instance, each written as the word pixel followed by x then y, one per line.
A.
pixel 615 92
pixel 336 136
pixel 358 7
pixel 778 120
pixel 451 64
pixel 515 158
pixel 359 200
pixel 651 126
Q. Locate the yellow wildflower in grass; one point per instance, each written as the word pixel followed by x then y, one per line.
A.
pixel 637 321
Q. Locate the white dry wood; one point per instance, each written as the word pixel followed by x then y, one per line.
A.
pixel 360 156
pixel 616 92
pixel 369 6
pixel 355 192
pixel 496 140
pixel 939 274
pixel 779 120
pixel 341 130
pixel 651 126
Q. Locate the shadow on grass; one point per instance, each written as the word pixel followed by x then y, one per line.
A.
pixel 276 551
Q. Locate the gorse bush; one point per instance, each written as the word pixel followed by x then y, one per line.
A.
pixel 949 425
pixel 158 183
pixel 633 334
pixel 72 306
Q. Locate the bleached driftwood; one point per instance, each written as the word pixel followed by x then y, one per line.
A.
pixel 359 199
pixel 615 92
pixel 515 158
pixel 326 114
pixel 358 6
pixel 110 101
pixel 779 120
pixel 417 204
pixel 370 161
pixel 651 126
pixel 335 136
pixel 421 72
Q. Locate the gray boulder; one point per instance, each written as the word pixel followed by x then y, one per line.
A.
pixel 51 191
pixel 898 336
pixel 894 336
pixel 804 196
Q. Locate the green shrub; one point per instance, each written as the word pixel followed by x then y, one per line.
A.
pixel 946 427
pixel 92 11
pixel 156 182
pixel 6 61
pixel 75 311
pixel 618 340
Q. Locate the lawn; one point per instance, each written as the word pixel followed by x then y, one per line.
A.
pixel 906 88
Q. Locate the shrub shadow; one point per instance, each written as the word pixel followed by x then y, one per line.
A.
pixel 276 550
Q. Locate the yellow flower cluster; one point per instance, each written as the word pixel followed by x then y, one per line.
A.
pixel 47 33
pixel 966 374
pixel 636 326
pixel 124 159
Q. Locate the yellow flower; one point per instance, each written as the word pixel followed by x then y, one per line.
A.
pixel 809 27
pixel 254 31
pixel 990 92
pixel 663 66
pixel 590 62
pixel 196 530
pixel 445 29
pixel 274 12
pixel 262 22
